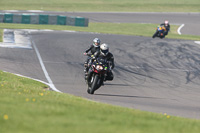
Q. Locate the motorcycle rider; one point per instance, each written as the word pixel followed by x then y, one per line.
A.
pixel 92 49
pixel 105 54
pixel 167 27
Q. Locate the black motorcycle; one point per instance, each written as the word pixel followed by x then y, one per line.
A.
pixel 160 32
pixel 96 74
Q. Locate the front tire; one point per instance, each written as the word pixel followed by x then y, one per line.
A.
pixel 94 85
pixel 155 35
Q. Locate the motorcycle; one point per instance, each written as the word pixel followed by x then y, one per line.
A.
pixel 160 32
pixel 96 74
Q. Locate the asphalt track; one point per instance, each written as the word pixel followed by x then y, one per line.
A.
pixel 158 75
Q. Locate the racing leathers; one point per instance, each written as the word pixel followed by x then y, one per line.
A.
pixel 167 27
pixel 110 61
pixel 92 49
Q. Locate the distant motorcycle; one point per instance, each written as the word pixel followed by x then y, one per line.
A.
pixel 96 75
pixel 160 32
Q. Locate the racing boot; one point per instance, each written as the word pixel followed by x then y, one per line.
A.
pixel 85 64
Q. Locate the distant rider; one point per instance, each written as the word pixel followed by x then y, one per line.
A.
pixel 167 27
pixel 105 54
pixel 92 49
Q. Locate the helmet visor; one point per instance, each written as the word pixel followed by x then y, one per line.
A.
pixel 96 43
pixel 104 51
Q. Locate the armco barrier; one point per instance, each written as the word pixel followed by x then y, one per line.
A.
pixel 43 19
pixel 34 19
pixel 52 19
pixel 61 20
pixel 17 18
pixel 8 18
pixel 26 19
pixel 71 21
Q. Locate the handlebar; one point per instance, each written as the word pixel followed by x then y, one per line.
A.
pixel 87 54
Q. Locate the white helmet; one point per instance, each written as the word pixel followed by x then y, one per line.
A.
pixel 96 42
pixel 166 22
pixel 104 49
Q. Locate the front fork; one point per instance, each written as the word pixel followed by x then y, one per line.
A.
pixel 90 75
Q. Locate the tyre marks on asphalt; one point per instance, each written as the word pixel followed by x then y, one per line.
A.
pixel 164 62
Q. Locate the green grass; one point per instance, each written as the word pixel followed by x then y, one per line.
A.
pixel 110 28
pixel 27 107
pixel 103 5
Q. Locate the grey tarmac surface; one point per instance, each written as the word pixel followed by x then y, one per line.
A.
pixel 191 20
pixel 21 61
pixel 158 75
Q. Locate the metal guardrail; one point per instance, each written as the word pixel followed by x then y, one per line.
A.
pixel 43 19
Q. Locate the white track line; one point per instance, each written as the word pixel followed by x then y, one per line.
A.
pixel 52 86
pixel 179 29
pixel 197 42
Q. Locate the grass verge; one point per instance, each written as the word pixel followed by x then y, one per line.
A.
pixel 103 5
pixel 110 28
pixel 25 106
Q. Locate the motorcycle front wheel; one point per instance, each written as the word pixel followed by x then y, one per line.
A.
pixel 93 84
pixel 155 34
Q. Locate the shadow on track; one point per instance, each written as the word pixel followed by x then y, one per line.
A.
pixel 109 84
pixel 112 95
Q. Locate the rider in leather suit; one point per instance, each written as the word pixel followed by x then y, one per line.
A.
pixel 92 49
pixel 167 26
pixel 105 54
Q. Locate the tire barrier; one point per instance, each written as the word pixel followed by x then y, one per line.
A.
pixel 43 19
